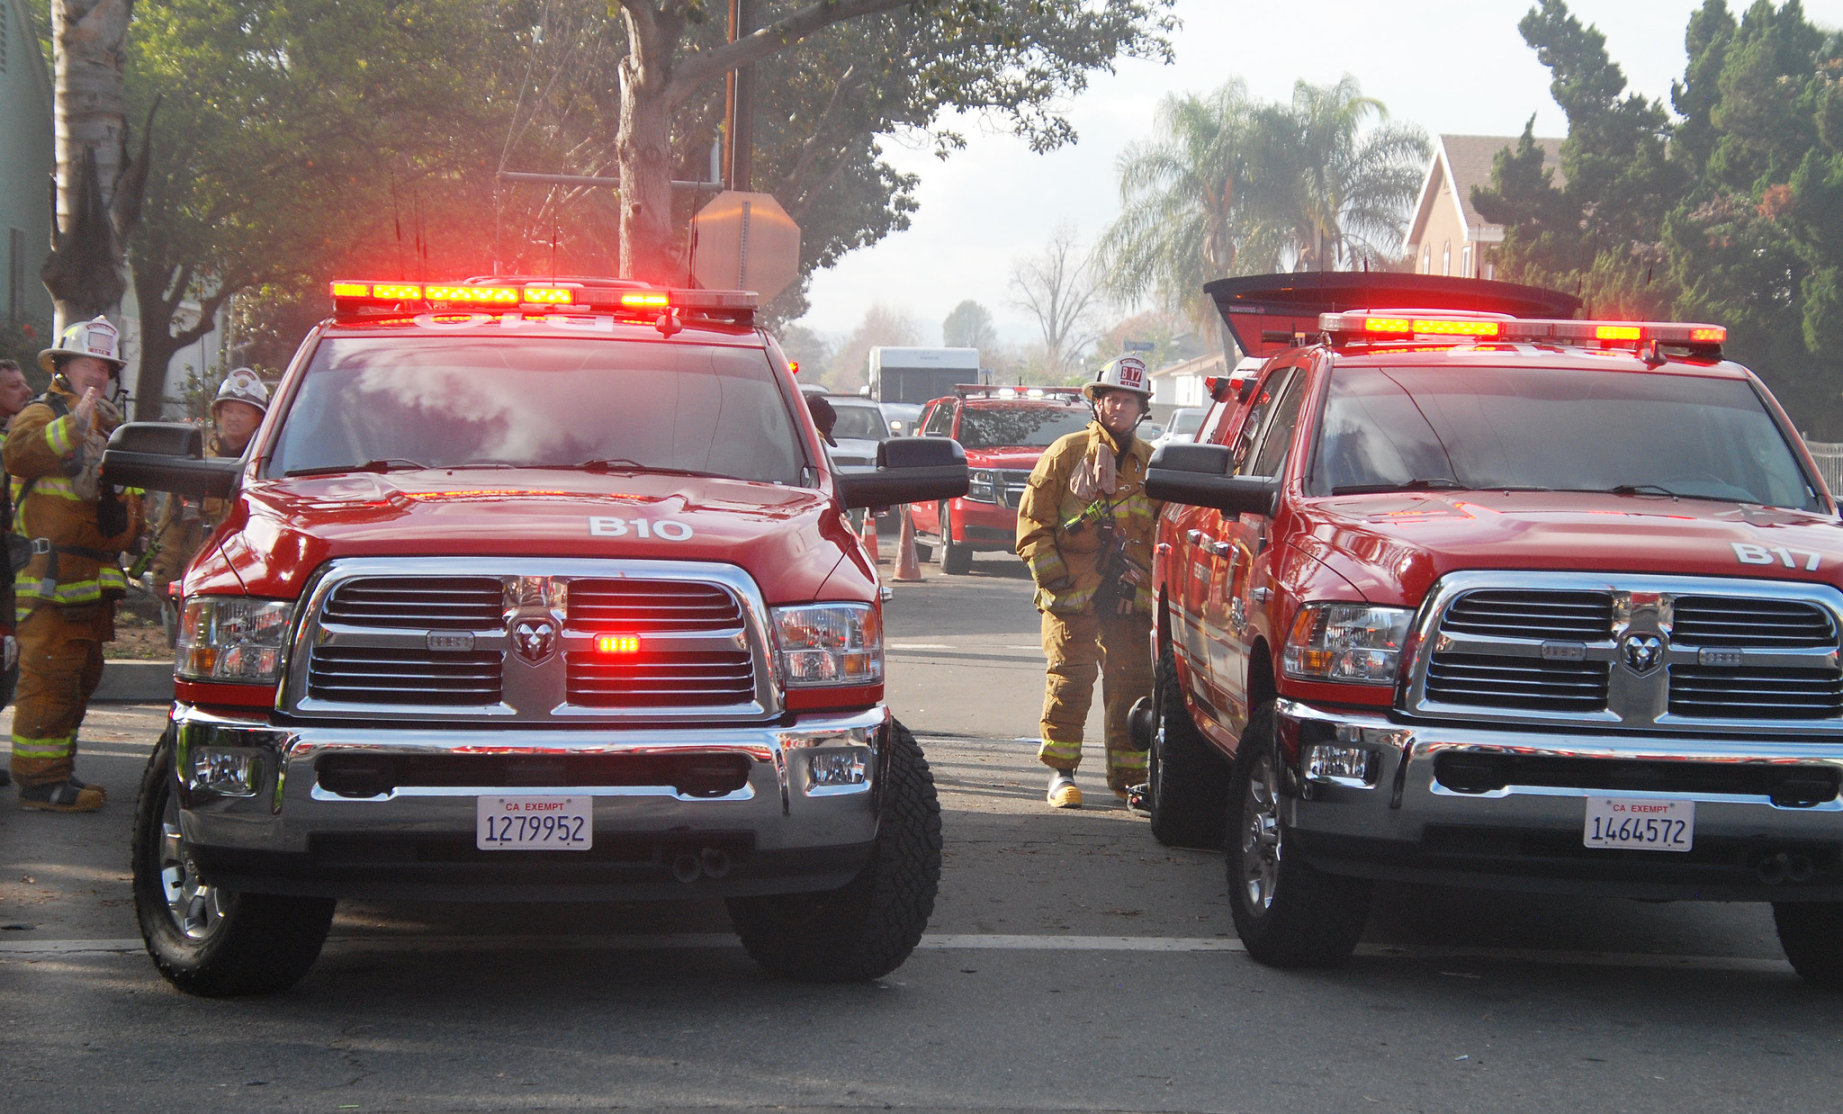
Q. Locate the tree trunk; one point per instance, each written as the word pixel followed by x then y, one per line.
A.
pixel 84 272
pixel 643 149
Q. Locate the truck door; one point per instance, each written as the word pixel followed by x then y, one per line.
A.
pixel 1241 559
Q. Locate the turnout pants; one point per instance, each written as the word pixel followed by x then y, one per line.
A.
pixel 1078 646
pixel 60 663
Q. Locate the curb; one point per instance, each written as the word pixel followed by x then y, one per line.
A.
pixel 135 682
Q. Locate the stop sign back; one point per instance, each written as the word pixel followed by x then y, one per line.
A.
pixel 745 241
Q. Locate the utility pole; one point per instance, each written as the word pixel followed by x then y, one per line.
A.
pixel 739 106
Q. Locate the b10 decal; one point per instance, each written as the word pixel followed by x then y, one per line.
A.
pixel 665 529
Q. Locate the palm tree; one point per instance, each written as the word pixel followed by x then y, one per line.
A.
pixel 1184 206
pixel 1334 191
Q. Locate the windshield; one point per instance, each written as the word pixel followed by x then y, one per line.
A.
pixel 1034 427
pixel 1394 429
pixel 859 423
pixel 535 401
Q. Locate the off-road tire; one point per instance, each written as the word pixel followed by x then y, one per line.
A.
pixel 237 943
pixel 1187 779
pixel 1288 913
pixel 956 557
pixel 1811 932
pixel 867 928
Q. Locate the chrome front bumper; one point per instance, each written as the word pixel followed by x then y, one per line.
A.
pixel 1392 817
pixel 257 819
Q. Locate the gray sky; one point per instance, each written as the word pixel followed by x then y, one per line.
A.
pixel 1450 66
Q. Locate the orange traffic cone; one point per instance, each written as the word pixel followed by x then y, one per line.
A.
pixel 868 536
pixel 908 567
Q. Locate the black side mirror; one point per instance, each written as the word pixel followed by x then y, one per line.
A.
pixel 167 456
pixel 1197 475
pixel 909 470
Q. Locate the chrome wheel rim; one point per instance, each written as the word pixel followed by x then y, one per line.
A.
pixel 1260 835
pixel 196 909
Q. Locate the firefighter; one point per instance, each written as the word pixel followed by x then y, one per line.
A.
pixel 65 595
pixel 1085 528
pixel 15 392
pixel 184 524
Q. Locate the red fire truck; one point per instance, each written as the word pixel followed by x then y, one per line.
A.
pixel 1463 590
pixel 533 591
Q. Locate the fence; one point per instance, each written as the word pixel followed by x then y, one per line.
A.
pixel 1829 458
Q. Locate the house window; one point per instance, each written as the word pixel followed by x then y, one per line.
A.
pixel 1446 258
pixel 1465 261
pixel 1427 260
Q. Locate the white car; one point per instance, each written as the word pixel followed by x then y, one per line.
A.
pixel 1182 425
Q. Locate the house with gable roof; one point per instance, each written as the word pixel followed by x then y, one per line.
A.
pixel 25 168
pixel 1447 236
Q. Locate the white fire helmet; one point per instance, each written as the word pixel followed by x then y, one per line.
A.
pixel 241 385
pixel 1124 374
pixel 95 337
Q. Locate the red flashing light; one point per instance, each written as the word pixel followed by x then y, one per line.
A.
pixel 617 644
pixel 1616 334
pixel 651 299
pixel 793 366
pixel 1410 326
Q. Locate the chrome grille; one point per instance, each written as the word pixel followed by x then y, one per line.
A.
pixel 1576 616
pixel 514 640
pixel 662 680
pixel 1011 485
pixel 1517 683
pixel 382 676
pixel 1725 621
pixel 647 607
pixel 1768 694
pixel 447 603
pixel 1634 651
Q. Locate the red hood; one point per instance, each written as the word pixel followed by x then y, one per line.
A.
pixel 791 540
pixel 1022 459
pixel 1393 547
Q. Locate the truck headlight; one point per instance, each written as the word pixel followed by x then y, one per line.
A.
pixel 233 638
pixel 1351 642
pixel 829 644
pixel 980 487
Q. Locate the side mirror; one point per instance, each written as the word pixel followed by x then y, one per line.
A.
pixel 1197 475
pixel 909 470
pixel 167 456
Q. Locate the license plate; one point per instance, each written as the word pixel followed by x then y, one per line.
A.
pixel 533 823
pixel 1640 824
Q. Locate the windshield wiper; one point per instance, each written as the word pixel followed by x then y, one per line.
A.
pixel 1401 485
pixel 621 464
pixel 1642 489
pixel 386 464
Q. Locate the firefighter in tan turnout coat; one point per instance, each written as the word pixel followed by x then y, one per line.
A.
pixel 65 595
pixel 1085 528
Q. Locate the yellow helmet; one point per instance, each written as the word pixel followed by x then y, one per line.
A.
pixel 95 337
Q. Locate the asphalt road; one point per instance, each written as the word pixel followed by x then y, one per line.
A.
pixel 1071 964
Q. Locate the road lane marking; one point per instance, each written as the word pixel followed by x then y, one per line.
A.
pixel 30 949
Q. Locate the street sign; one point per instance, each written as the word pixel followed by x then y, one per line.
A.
pixel 745 241
pixel 1137 346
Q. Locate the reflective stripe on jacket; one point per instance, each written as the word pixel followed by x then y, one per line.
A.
pixel 1073 557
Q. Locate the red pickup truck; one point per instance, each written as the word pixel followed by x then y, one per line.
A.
pixel 1460 589
pixel 534 591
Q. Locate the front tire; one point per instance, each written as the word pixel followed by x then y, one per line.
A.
pixel 1811 932
pixel 867 928
pixel 205 940
pixel 956 557
pixel 1187 781
pixel 1288 913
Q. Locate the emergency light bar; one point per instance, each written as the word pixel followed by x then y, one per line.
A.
pixel 985 390
pixel 351 296
pixel 1399 326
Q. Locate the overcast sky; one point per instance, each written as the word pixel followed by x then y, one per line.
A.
pixel 1449 66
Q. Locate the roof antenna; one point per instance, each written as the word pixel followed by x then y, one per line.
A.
pixel 555 220
pixel 396 216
